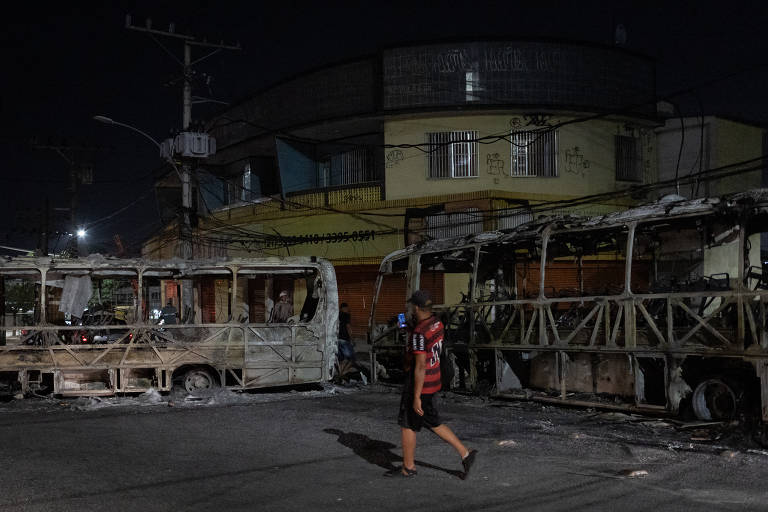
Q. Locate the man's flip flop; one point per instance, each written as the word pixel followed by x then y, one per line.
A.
pixel 467 462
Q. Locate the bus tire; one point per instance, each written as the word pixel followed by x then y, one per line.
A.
pixel 198 379
pixel 714 400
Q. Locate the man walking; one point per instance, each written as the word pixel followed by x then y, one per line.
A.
pixel 417 404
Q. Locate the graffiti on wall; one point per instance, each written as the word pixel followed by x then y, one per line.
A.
pixel 495 164
pixel 351 197
pixel 647 139
pixel 537 120
pixel 575 163
pixel 519 123
pixel 394 157
pixel 516 124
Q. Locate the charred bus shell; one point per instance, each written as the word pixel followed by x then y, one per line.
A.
pixel 662 305
pixel 97 326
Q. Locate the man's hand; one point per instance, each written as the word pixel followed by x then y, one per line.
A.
pixel 417 405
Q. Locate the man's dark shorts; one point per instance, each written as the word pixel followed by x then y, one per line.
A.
pixel 408 417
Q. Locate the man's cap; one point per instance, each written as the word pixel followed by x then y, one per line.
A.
pixel 421 298
pixel 284 293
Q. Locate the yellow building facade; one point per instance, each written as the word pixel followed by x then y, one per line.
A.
pixel 585 155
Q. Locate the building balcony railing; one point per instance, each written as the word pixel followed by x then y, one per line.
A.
pixel 342 195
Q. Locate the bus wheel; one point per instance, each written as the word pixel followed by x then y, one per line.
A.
pixel 198 379
pixel 714 400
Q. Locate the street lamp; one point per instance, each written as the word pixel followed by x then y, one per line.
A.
pixel 81 233
pixel 109 120
pixel 185 245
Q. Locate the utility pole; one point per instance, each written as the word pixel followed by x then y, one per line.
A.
pixel 183 143
pixel 188 145
pixel 45 231
pixel 73 208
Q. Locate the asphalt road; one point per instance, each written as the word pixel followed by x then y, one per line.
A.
pixel 329 450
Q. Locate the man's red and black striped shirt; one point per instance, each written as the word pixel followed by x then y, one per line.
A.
pixel 427 338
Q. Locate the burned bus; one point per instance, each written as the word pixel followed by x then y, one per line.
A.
pixel 651 308
pixel 97 326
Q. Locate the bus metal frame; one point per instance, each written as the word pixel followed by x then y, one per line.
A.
pixel 232 354
pixel 609 324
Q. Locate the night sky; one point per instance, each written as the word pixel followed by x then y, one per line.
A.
pixel 66 62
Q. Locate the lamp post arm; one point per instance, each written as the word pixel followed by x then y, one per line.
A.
pixel 186 202
pixel 107 120
pixel 151 139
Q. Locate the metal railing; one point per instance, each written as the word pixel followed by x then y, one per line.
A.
pixel 340 196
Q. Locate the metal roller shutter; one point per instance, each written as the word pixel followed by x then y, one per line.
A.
pixel 356 284
pixel 600 278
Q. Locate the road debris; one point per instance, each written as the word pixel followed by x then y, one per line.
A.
pixel 656 424
pixel 507 442
pixel 695 424
pixel 617 416
pixel 177 397
pixel 700 435
pixel 634 473
pixel 705 435
pixel 151 396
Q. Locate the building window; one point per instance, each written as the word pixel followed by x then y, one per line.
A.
pixel 348 168
pixel 245 191
pixel 627 159
pixel 352 167
pixel 472 85
pixel 452 154
pixel 534 153
pixel 233 191
pixel 324 174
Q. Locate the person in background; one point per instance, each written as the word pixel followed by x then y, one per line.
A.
pixel 244 314
pixel 283 310
pixel 168 314
pixel 346 349
pixel 269 305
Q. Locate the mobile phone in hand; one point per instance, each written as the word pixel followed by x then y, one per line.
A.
pixel 401 320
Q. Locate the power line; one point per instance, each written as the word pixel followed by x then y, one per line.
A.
pixel 545 206
pixel 96 222
pixel 276 242
pixel 549 205
pixel 228 229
